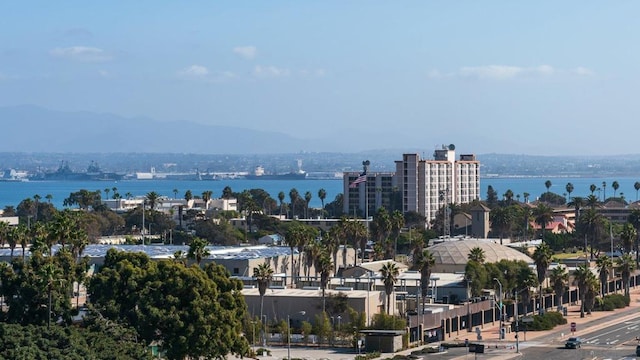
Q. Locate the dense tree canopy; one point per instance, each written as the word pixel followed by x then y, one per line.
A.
pixel 194 312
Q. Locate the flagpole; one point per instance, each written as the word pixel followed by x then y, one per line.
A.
pixel 365 168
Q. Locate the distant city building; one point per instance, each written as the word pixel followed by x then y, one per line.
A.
pixel 427 185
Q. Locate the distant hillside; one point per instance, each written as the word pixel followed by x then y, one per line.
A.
pixel 35 129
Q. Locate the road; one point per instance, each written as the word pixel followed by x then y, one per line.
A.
pixel 616 341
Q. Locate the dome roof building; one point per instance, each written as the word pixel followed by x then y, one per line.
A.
pixel 453 255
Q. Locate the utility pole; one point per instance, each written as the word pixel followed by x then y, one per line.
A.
pixel 501 311
pixel 515 313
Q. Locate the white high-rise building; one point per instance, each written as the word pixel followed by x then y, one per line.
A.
pixel 427 185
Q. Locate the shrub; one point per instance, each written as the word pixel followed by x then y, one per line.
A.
pixel 547 321
pixel 611 302
pixel 263 351
pixel 367 356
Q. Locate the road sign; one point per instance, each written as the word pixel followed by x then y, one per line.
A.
pixel 573 327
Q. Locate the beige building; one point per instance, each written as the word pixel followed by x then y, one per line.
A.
pixel 380 189
pixel 427 185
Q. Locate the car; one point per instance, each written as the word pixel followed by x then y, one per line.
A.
pixel 638 350
pixel 573 343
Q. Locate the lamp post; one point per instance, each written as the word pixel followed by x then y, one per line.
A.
pixel 289 334
pixel 500 306
pixel 515 312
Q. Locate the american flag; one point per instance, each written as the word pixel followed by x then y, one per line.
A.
pixel 360 179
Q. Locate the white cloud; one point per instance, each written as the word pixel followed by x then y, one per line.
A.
pixel 247 52
pixel 81 53
pixel 583 71
pixel 194 71
pixel 506 72
pixel 270 71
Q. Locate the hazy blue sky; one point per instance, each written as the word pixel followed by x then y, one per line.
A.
pixel 539 77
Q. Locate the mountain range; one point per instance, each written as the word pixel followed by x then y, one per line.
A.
pixel 30 128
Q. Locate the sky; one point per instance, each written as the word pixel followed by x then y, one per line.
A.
pixel 542 77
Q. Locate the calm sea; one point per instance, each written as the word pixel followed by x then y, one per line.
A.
pixel 12 193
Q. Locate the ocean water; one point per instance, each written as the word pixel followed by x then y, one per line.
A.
pixel 12 193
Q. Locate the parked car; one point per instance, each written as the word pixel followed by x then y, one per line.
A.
pixel 638 350
pixel 573 343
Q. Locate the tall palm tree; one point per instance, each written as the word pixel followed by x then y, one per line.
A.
pixel 397 222
pixel 263 275
pixel 628 237
pixel 322 194
pixel 547 184
pixel 634 219
pixel 636 186
pixel 501 219
pixel 526 195
pixel 604 191
pixel 294 237
pixel 526 280
pixel 281 199
pixel 615 186
pixel 577 202
pixel 175 193
pixel 477 254
pixel 604 265
pixel 307 200
pixel 198 250
pixel 592 188
pixel 294 196
pixel 49 197
pixel 569 188
pixel 625 265
pixel 325 267
pixel 389 273
pixel 425 263
pixel 559 278
pixel 543 215
pixel 106 193
pixel 592 222
pixel 152 198
pixel 542 258
pixel 581 277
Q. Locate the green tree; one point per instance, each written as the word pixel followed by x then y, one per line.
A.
pixel 525 280
pixel 192 312
pixel 559 278
pixel 492 197
pixel 307 200
pixel 198 250
pixel 581 278
pixel 477 254
pixel 322 194
pixel 542 258
pixel 625 266
pixel 501 220
pixel 547 184
pixel 604 265
pixel 543 215
pixel 569 188
pixel 636 186
pixel 628 237
pixel 425 263
pixel 615 185
pixel 324 267
pixel 263 275
pixel 389 273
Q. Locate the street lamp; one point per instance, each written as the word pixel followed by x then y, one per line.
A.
pixel 289 334
pixel 500 286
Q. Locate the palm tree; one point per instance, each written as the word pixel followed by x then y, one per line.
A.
pixel 188 195
pixel 547 184
pixel 198 250
pixel 322 194
pixel 325 267
pixel 592 188
pixel 307 200
pixel 543 215
pixel 106 192
pixel 389 272
pixel 592 221
pixel 501 219
pixel 263 275
pixel 526 195
pixel 615 186
pixel 526 280
pixel 559 278
pixel 625 265
pixel 569 188
pixel 397 222
pixel 604 265
pixel 542 258
pixel 49 197
pixel 577 202
pixel 476 254
pixel 628 237
pixel 604 191
pixel 152 198
pixel 294 196
pixel 51 275
pixel 636 186
pixel 281 199
pixel 294 237
pixel 425 263
pixel 581 277
pixel 634 219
